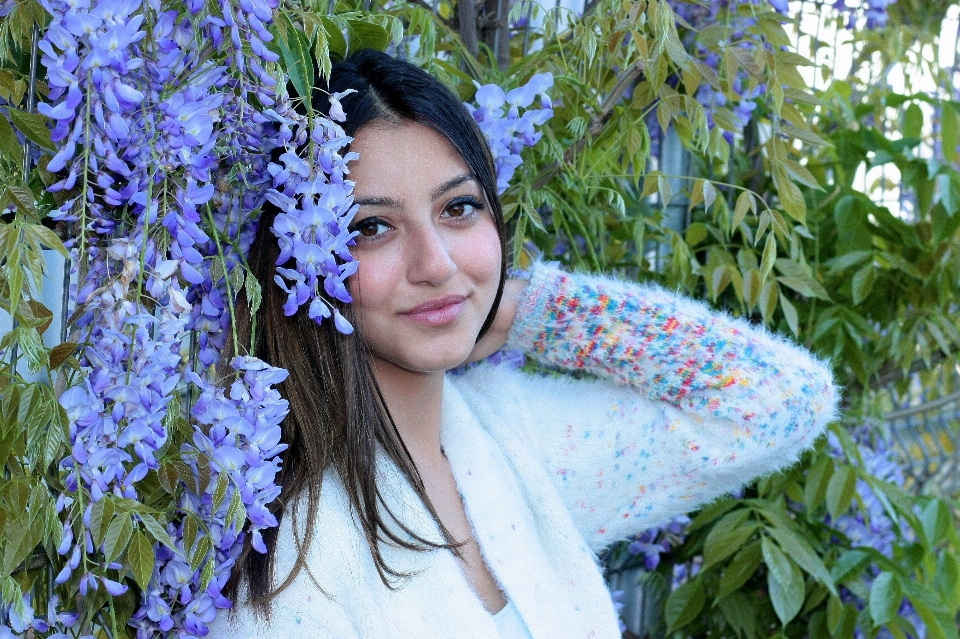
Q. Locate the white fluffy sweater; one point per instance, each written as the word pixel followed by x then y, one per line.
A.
pixel 692 405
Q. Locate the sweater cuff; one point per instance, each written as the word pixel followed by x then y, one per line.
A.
pixel 537 308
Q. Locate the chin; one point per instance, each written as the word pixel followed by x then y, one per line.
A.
pixel 433 362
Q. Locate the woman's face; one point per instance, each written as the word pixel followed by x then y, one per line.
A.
pixel 428 250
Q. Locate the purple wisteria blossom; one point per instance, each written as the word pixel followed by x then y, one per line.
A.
pixel 748 90
pixel 507 129
pixel 316 208
pixel 874 12
pixel 237 434
pixel 159 148
pixel 656 541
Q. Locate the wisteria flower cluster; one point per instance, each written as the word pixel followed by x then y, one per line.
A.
pixel 237 434
pixel 746 90
pixel 654 542
pixel 316 209
pixel 507 130
pixel 163 145
pixel 874 11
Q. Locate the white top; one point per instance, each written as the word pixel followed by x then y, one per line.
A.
pixel 509 623
pixel 691 404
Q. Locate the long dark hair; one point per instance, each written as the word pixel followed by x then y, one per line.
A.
pixel 338 418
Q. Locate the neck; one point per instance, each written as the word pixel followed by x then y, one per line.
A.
pixel 414 401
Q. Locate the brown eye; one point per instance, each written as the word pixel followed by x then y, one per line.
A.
pixel 463 207
pixel 371 227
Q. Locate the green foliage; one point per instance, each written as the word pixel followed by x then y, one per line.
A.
pixel 774 557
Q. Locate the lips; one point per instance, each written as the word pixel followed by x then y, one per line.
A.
pixel 437 312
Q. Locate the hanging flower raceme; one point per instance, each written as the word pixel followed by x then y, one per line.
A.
pixel 508 131
pixel 150 132
pixel 316 208
pixel 235 444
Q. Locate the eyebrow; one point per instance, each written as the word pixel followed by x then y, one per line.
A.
pixel 451 184
pixel 437 193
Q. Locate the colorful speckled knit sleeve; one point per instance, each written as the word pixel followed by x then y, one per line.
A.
pixel 672 348
pixel 705 401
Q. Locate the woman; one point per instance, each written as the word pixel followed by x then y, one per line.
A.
pixel 419 505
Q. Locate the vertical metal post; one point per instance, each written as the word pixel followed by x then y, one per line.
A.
pixel 526 28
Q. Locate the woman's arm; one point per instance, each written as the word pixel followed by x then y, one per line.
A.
pixel 670 348
pixel 699 404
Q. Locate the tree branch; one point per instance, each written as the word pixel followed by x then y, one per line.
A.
pixel 597 122
pixel 467 26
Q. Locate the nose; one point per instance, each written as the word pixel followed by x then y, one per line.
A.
pixel 430 260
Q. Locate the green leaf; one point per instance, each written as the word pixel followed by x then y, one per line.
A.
pixel 10 146
pixel 815 488
pixel 936 520
pixel 784 581
pixel 862 283
pixel 696 233
pixel 169 477
pixel 23 199
pixel 841 619
pixel 60 353
pixel 298 63
pixel 847 260
pixel 804 284
pixel 709 195
pixel 769 256
pixel 366 35
pixel 52 440
pixel 158 532
pixel 17 546
pixel 791 198
pixel 666 191
pixel 949 185
pixel 200 553
pixel 790 313
pixel 335 40
pixel 885 598
pixel 913 121
pixel 47 238
pixel 220 490
pixel 840 490
pixel 189 534
pixel 101 514
pixel 742 208
pixel 727 536
pixel 743 566
pixel 117 537
pixel 800 550
pixel 740 611
pixel 141 558
pixel 207 575
pixel 946 582
pixel 33 126
pixel 773 31
pixel 950 135
pixel 684 604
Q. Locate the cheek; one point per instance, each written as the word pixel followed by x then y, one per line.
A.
pixel 372 285
pixel 481 253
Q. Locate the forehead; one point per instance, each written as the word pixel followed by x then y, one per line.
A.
pixel 406 157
